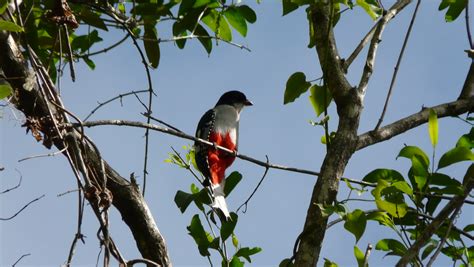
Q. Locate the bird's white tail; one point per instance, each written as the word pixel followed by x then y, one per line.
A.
pixel 219 199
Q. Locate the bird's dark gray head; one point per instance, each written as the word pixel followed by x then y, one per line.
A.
pixel 234 98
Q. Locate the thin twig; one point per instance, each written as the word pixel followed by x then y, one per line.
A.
pixel 24 207
pixel 16 186
pixel 44 155
pixel 397 65
pixel 19 259
pixel 367 255
pixel 359 48
pixel 441 244
pixel 374 43
pixel 468 27
pixel 120 96
pixel 105 50
pixel 193 36
pixel 254 191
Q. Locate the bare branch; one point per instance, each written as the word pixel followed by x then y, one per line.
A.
pixel 19 259
pixel 367 255
pixel 397 65
pixel 468 87
pixel 44 155
pixel 443 240
pixel 255 190
pixel 376 39
pixel 457 201
pixel 120 96
pixel 468 27
pixel 16 186
pixel 189 137
pixel 359 48
pixel 24 207
pixel 384 133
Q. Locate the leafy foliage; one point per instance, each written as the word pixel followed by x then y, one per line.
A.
pixel 455 7
pixel 204 20
pixel 5 90
pixel 202 199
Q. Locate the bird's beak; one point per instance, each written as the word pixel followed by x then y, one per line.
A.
pixel 248 103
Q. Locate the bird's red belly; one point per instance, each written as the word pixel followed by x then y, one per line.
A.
pixel 219 161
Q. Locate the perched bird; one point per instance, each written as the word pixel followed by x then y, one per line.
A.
pixel 220 126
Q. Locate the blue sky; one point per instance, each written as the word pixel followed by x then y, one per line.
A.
pixel 187 83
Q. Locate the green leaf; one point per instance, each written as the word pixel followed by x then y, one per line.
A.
pixel 152 48
pixel 228 226
pixel 231 182
pixel 248 13
pixel 247 252
pixel 433 127
pixel 370 8
pixel 295 86
pixel 200 3
pixel 5 90
pixel 182 200
pixel 383 174
pixel 418 166
pixel 355 223
pixel 286 263
pixel 360 256
pixel 455 155
pixel 237 20
pixel 10 26
pixel 403 187
pixel 391 245
pixel 432 204
pixel 455 7
pixel 217 23
pixel 428 249
pixel 381 217
pixel 410 151
pixel 3 6
pixel 89 62
pixel 468 228
pixel 289 6
pixel 389 199
pixel 467 140
pixel 92 18
pixel 320 97
pixel 443 179
pixel 235 240
pixel 236 262
pixel 224 29
pixel 196 230
pixel 328 263
pixel 206 42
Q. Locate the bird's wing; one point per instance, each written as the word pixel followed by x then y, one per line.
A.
pixel 203 131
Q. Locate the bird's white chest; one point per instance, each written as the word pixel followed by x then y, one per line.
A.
pixel 227 122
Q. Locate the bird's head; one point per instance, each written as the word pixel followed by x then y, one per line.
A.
pixel 236 99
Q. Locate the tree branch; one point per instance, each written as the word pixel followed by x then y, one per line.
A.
pixel 181 134
pixel 457 201
pixel 397 65
pixel 444 110
pixel 376 39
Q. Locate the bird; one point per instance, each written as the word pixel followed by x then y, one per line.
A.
pixel 219 125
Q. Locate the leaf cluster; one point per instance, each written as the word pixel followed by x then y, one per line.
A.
pixel 201 197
